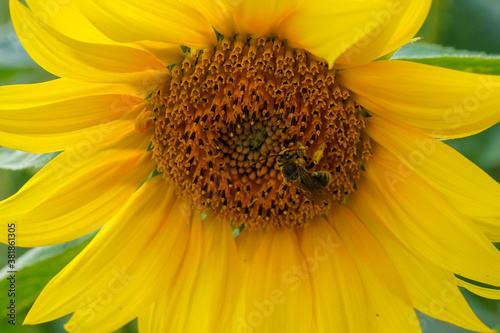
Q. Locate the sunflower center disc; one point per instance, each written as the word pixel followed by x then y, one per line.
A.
pixel 224 115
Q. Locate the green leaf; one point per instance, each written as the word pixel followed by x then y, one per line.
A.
pixel 448 57
pixel 464 24
pixel 482 149
pixel 17 160
pixel 34 269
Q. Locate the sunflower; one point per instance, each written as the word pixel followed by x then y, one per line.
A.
pixel 251 166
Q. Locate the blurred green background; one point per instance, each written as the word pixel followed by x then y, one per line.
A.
pixel 461 24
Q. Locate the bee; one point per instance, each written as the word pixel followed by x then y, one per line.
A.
pixel 313 185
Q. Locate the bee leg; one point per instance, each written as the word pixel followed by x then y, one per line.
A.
pixel 301 151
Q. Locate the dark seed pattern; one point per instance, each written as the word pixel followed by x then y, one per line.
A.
pixel 224 110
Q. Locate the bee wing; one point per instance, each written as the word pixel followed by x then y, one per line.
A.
pixel 311 188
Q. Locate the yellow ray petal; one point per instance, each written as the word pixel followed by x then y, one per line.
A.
pixel 490 226
pixel 203 295
pixel 248 243
pixel 64 17
pixel 432 290
pixel 103 281
pixel 480 291
pixel 472 191
pixel 339 292
pixel 167 21
pixel 440 102
pixel 158 316
pixel 399 22
pixel 423 218
pixel 77 192
pixel 39 122
pixel 152 319
pixel 217 14
pixel 66 57
pixel 259 18
pixel 70 21
pixel 68 115
pixel 15 97
pixel 411 22
pixel 278 294
pixel 168 54
pixel 83 139
pixel 328 28
pixel 389 304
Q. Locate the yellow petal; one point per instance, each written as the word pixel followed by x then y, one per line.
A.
pixel 152 319
pixel 66 57
pixel 39 121
pixel 157 317
pixel 278 294
pixel 71 22
pixel 480 291
pixel 140 244
pixel 399 22
pixel 490 226
pixel 435 293
pixel 411 22
pixel 16 97
pixel 217 14
pixel 338 289
pixel 77 192
pixel 64 17
pixel 432 290
pixel 328 28
pixel 389 306
pixel 248 243
pixel 80 140
pixel 168 54
pixel 473 192
pixel 167 21
pixel 440 102
pixel 424 220
pixel 204 292
pixel 68 115
pixel 259 18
